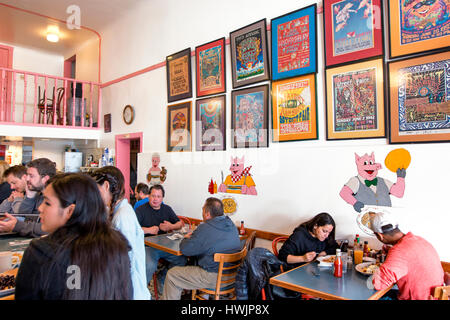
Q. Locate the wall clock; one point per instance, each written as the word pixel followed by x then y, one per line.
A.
pixel 128 114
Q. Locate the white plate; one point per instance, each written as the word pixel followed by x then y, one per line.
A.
pixel 361 266
pixel 323 263
pixel 369 259
pixel 6 292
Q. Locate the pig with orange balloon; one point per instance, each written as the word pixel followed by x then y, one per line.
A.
pixel 368 189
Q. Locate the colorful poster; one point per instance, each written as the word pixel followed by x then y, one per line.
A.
pixel 424 98
pixel 423 20
pixel 249 118
pixel 210 65
pixel 211 123
pixel 179 127
pixel 179 76
pixel 294 107
pixel 352 26
pixel 293 44
pixel 249 56
pixel 355 100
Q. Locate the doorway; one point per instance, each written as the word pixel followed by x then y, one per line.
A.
pixel 6 61
pixel 127 148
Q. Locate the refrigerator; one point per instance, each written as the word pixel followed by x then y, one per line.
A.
pixel 73 161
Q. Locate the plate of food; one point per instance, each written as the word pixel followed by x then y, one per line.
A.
pixel 7 284
pixel 367 268
pixel 17 258
pixel 326 261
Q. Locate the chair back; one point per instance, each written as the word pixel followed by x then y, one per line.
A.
pixel 445 266
pixel 249 240
pixel 185 220
pixel 275 243
pixel 441 293
pixel 229 263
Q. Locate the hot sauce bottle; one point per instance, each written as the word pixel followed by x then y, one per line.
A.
pixel 338 264
pixel 242 229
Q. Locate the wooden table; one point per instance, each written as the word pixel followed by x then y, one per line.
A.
pixel 352 285
pixel 163 243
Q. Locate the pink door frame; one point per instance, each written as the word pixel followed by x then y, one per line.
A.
pixel 122 145
pixel 8 65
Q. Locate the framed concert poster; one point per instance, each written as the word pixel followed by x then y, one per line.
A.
pixel 210 62
pixel 352 30
pixel 179 127
pixel 107 122
pixel 210 123
pixel 420 99
pixel 294 110
pixel 249 55
pixel 294 43
pixel 179 75
pixel 250 117
pixel 355 101
pixel 418 25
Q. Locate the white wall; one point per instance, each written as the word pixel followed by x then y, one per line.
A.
pixel 294 180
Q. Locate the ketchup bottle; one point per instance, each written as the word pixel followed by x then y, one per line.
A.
pixel 338 264
pixel 242 229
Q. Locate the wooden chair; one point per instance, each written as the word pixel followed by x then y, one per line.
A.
pixel 275 243
pixel 52 106
pixel 441 293
pixel 249 240
pixel 226 276
pixel 185 220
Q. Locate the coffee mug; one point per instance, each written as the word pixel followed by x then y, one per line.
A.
pixel 5 261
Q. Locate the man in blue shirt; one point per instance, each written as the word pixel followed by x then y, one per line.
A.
pixel 141 194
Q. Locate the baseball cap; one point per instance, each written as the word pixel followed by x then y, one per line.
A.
pixel 381 222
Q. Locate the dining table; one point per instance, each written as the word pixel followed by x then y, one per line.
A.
pixel 168 242
pixel 320 282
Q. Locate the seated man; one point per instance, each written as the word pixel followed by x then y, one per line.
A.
pixel 39 171
pixel 415 275
pixel 16 176
pixel 141 194
pixel 217 234
pixel 155 218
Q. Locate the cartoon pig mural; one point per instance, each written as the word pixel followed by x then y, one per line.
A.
pixel 240 180
pixel 368 189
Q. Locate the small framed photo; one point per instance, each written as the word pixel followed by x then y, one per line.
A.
pixel 419 97
pixel 179 133
pixel 210 123
pixel 418 26
pixel 107 122
pixel 294 109
pixel 179 75
pixel 352 30
pixel 250 117
pixel 355 101
pixel 249 55
pixel 294 43
pixel 210 72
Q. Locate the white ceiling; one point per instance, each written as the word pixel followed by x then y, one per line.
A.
pixel 22 28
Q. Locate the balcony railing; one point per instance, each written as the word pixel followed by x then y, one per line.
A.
pixel 30 98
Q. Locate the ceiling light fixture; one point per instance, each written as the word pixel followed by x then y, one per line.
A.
pixel 53 33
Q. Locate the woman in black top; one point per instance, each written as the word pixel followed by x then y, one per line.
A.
pixel 83 257
pixel 315 237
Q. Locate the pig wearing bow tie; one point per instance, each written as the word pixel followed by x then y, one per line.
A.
pixel 240 180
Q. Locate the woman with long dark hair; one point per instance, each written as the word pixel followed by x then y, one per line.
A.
pixel 111 183
pixel 83 257
pixel 315 237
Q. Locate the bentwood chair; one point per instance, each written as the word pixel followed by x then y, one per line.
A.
pixel 249 240
pixel 441 293
pixel 226 276
pixel 185 220
pixel 48 106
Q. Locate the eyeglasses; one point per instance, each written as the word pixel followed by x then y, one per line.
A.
pixel 424 3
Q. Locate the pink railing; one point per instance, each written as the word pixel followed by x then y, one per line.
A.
pixel 39 99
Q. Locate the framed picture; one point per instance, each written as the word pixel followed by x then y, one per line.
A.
pixel 418 25
pixel 419 99
pixel 179 127
pixel 249 55
pixel 210 62
pixel 294 43
pixel 249 117
pixel 210 123
pixel 294 110
pixel 179 75
pixel 352 30
pixel 107 122
pixel 355 101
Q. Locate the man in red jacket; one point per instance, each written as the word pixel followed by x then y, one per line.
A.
pixel 412 262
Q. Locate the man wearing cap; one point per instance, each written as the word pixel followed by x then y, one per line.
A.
pixel 412 262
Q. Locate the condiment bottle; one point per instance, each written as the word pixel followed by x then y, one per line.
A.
pixel 338 264
pixel 242 229
pixel 344 246
pixel 366 249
